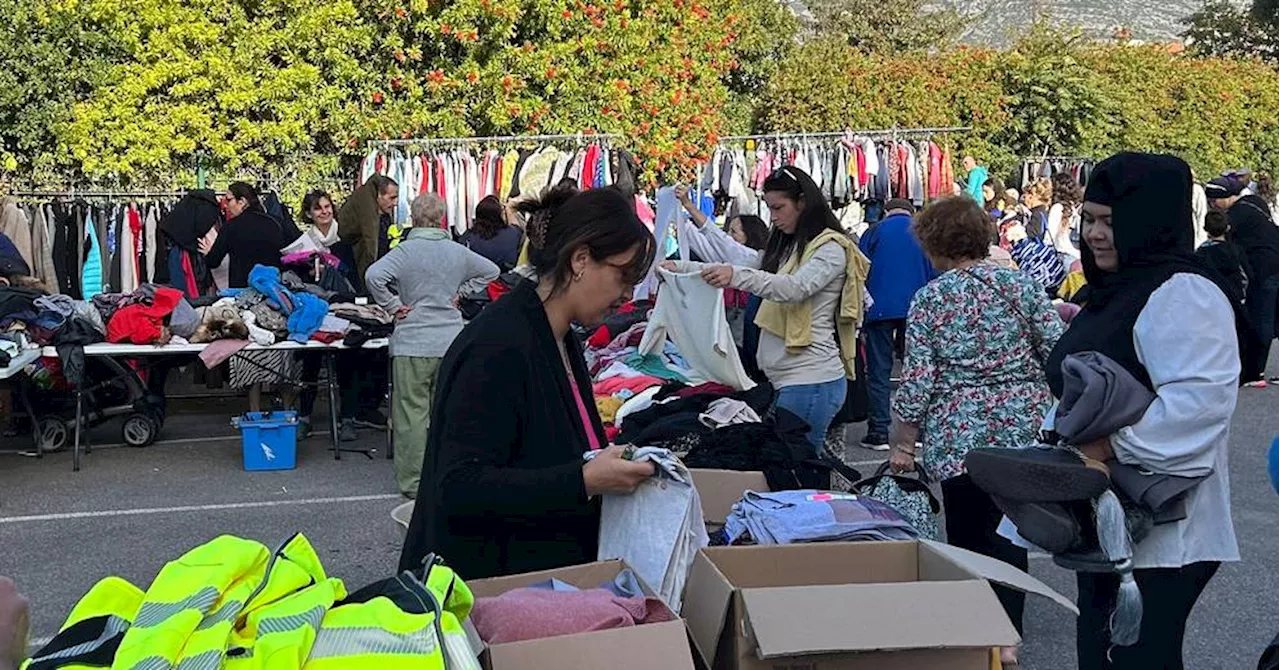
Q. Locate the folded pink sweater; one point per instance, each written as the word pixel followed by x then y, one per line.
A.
pixel 530 613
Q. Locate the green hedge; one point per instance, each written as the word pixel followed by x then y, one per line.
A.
pixel 1048 92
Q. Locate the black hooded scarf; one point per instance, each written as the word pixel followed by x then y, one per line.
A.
pixel 1150 200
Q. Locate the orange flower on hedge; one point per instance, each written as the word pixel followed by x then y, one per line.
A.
pixel 473 77
pixel 446 29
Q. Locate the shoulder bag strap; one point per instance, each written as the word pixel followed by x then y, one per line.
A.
pixel 1022 320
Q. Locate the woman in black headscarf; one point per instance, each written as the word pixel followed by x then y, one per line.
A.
pixel 1178 328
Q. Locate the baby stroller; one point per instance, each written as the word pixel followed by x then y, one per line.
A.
pixel 112 389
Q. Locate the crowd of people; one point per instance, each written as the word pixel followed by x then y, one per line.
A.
pixel 981 295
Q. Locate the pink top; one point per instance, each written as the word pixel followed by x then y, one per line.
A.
pixel 592 440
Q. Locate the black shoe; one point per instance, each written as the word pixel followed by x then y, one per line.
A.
pixel 347 431
pixel 371 419
pixel 1053 527
pixel 304 428
pixel 876 442
pixel 1035 474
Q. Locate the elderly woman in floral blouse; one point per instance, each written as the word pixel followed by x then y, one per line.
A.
pixel 972 378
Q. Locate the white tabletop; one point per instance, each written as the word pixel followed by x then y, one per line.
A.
pixel 110 349
pixel 16 363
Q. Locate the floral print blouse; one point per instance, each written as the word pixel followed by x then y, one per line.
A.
pixel 970 377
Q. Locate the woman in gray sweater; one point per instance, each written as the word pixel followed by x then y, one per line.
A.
pixel 419 281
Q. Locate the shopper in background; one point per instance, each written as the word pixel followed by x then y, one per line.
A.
pixel 365 222
pixel 1256 234
pixel 740 242
pixel 491 236
pixel 1222 255
pixel 1037 199
pixel 1159 313
pixel 249 238
pixel 899 268
pixel 320 233
pixel 993 198
pixel 504 488
pixel 419 281
pixel 972 378
pixel 977 178
pixel 808 274
pixel 1064 214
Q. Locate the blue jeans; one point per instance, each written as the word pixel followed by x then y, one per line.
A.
pixel 879 336
pixel 817 404
pixel 1261 306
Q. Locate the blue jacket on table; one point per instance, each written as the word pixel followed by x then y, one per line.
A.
pixel 899 267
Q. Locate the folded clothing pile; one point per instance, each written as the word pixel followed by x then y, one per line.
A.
pixel 555 608
pixel 808 515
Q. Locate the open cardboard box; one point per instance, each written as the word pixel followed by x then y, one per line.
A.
pixel 720 489
pixel 654 646
pixel 917 605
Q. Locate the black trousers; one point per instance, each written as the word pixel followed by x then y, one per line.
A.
pixel 1168 595
pixel 362 381
pixel 972 519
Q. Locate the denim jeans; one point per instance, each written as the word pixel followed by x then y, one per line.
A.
pixel 817 404
pixel 879 336
pixel 1261 306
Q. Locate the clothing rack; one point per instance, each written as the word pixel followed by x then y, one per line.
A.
pixel 894 133
pixel 1032 159
pixel 93 195
pixel 582 138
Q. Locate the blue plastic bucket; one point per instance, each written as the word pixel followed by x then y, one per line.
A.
pixel 269 440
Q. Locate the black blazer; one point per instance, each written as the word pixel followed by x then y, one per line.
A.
pixel 253 238
pixel 502 490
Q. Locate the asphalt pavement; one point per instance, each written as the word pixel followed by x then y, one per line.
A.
pixel 128 511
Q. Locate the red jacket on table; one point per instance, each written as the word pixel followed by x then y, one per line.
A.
pixel 142 324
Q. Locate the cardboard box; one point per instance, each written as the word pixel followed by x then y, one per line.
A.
pixel 655 646
pixel 851 606
pixel 720 489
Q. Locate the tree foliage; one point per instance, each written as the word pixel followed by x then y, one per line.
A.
pixel 297 83
pixel 1221 29
pixel 1049 92
pixel 50 61
pixel 877 26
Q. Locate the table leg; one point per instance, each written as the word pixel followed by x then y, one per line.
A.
pixel 331 370
pixel 25 399
pixel 75 451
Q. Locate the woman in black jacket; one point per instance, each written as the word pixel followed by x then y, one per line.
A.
pixel 250 237
pixel 504 487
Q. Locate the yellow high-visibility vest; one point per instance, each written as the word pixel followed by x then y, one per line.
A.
pixel 233 603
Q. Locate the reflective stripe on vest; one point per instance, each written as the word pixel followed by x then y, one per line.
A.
pixel 332 642
pixel 112 627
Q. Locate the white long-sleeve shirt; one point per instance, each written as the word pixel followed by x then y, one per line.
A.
pixel 713 245
pixel 1185 338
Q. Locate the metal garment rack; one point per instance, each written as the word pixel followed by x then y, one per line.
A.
pixel 894 133
pixel 97 194
pixel 583 138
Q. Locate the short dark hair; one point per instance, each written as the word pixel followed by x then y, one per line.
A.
pixel 604 221
pixel 382 182
pixel 1216 223
pixel 816 216
pixel 245 191
pixel 754 228
pixel 488 222
pixel 309 201
pixel 955 228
